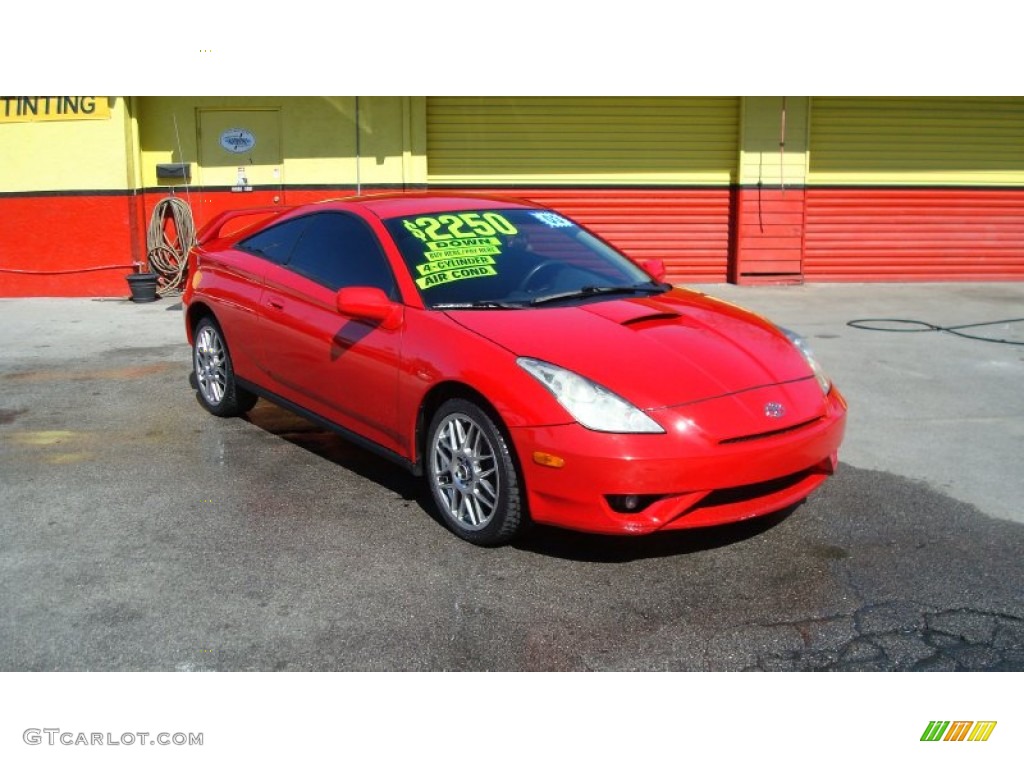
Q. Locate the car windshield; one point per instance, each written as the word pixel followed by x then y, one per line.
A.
pixel 510 258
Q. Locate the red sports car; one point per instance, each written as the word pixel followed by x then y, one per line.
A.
pixel 528 370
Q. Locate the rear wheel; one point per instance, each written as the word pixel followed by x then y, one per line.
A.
pixel 217 388
pixel 472 475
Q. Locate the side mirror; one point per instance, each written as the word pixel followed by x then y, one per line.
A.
pixel 655 268
pixel 365 303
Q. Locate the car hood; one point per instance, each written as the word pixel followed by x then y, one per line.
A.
pixel 662 351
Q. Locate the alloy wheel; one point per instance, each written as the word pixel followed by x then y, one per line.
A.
pixel 210 365
pixel 464 472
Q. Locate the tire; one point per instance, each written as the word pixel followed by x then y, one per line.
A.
pixel 471 472
pixel 216 387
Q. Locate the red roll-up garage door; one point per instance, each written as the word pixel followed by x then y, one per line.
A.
pixel 915 189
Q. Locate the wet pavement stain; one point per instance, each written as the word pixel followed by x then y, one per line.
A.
pixel 136 352
pixel 69 458
pixel 52 446
pixel 44 437
pixel 8 415
pixel 111 374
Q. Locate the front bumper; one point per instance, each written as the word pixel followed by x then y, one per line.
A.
pixel 695 479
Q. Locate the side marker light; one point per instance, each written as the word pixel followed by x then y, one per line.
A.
pixel 548 460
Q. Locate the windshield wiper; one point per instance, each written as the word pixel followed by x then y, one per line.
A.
pixel 601 290
pixel 483 304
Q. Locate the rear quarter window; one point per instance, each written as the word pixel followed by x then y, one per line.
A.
pixel 275 243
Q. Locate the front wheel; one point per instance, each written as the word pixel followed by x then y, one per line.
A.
pixel 472 475
pixel 218 390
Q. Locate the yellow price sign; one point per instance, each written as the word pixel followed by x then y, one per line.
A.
pixel 447 264
pixel 459 226
pixel 450 276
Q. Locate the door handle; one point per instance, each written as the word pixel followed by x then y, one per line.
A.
pixel 275 304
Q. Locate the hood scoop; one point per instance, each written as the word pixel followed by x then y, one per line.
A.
pixel 631 313
pixel 654 318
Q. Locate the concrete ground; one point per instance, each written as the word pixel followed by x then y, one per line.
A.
pixel 926 405
pixel 137 532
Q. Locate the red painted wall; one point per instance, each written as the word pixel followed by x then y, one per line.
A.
pixel 85 244
pixel 66 245
pixel 886 234
pixel 769 235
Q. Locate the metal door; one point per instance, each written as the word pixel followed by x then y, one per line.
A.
pixel 240 152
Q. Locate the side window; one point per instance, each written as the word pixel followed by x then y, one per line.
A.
pixel 338 250
pixel 275 243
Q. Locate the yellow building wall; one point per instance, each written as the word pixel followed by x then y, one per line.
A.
pixel 547 140
pixel 767 187
pixel 319 141
pixel 774 140
pixel 69 155
pixel 917 141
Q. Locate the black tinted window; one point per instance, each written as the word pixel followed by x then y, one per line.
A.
pixel 338 251
pixel 275 243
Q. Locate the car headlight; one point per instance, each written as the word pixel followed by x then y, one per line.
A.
pixel 805 349
pixel 590 404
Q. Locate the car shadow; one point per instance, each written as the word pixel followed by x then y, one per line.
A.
pixel 596 548
pixel 539 539
pixel 335 448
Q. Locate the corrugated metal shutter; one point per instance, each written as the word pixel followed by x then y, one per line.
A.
pixel 651 175
pixel 915 189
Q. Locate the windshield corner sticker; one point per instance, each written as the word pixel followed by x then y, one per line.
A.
pixel 459 246
pixel 551 219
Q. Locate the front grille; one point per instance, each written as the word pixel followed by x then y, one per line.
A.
pixel 729 496
pixel 771 433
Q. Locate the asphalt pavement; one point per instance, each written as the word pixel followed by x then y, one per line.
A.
pixel 138 532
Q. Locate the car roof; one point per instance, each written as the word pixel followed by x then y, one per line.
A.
pixel 387 205
pixel 384 206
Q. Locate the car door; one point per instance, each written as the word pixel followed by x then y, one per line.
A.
pixel 340 368
pixel 254 256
